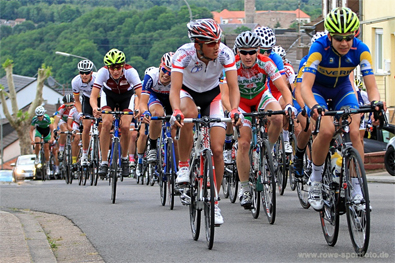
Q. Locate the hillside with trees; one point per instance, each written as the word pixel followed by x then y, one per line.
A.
pixel 144 30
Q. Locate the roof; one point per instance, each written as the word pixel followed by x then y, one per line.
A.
pixel 19 82
pixel 233 26
pixel 226 14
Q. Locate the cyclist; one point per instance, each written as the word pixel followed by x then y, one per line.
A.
pixel 74 125
pixel 42 124
pixel 61 121
pixel 196 69
pixel 155 100
pixel 252 71
pixel 268 41
pixel 133 135
pixel 117 82
pixel 302 135
pixel 326 76
pixel 83 83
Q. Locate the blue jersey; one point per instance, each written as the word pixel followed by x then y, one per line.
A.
pixel 331 69
pixel 302 64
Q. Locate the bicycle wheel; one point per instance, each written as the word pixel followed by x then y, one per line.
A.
pixel 233 184
pixel 268 183
pixel 114 170
pixel 95 160
pixel 225 182
pixel 171 175
pixel 280 164
pixel 69 164
pixel 162 187
pixel 209 198
pixel 329 215
pixel 301 183
pixel 290 158
pixel 85 174
pixel 194 211
pixel 358 213
pixel 256 189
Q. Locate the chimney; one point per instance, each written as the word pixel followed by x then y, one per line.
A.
pixel 249 10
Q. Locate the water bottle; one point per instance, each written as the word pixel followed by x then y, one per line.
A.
pixel 255 159
pixel 336 162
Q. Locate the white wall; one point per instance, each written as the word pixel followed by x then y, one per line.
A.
pixel 12 151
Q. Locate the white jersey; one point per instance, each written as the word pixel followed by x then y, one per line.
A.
pixel 198 76
pixel 289 73
pixel 75 116
pixel 154 84
pixel 78 86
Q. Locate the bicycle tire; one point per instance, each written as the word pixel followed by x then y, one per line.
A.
pixel 171 178
pixel 269 184
pixel 290 158
pixel 389 160
pixel 84 174
pixel 194 211
pixel 69 164
pixel 329 215
pixel 114 170
pixel 358 216
pixel 256 194
pixel 162 188
pixel 209 198
pixel 233 184
pixel 280 161
pixel 43 164
pixel 301 184
pixel 95 160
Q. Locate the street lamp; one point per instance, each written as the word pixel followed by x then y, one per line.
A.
pixel 71 55
pixel 190 12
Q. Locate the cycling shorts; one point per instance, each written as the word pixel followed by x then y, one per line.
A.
pixel 44 132
pixel 111 100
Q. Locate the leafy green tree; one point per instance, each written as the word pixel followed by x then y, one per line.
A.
pixel 5 31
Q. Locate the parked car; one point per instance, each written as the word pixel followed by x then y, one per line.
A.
pixel 6 176
pixel 24 167
pixel 389 157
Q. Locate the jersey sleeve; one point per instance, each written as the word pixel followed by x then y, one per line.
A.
pixel 180 60
pixel 147 85
pixel 271 70
pixel 365 59
pixel 228 59
pixel 133 78
pixel 314 58
pixel 74 86
pixel 102 76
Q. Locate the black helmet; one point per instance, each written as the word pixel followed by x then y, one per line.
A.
pixel 68 98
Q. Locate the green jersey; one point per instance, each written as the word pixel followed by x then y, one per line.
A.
pixel 44 123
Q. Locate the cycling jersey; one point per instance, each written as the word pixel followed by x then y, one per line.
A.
pixel 198 76
pixel 289 73
pixel 44 123
pixel 302 65
pixel 130 80
pixel 152 84
pixel 252 80
pixel 78 86
pixel 331 69
pixel 278 61
pixel 75 116
pixel 63 112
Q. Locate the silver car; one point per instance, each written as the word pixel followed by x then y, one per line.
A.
pixel 24 167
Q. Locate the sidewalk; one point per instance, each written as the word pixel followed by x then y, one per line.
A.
pixel 28 236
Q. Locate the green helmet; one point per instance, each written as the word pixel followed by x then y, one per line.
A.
pixel 341 20
pixel 114 56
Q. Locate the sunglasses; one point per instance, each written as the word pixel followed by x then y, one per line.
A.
pixel 212 43
pixel 340 38
pixel 116 67
pixel 265 51
pixel 249 52
pixel 166 71
pixel 85 73
pixel 69 106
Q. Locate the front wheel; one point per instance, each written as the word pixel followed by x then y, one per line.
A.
pixel 280 168
pixel 268 183
pixel 389 160
pixel 194 211
pixel 209 198
pixel 357 209
pixel 114 171
pixel 171 175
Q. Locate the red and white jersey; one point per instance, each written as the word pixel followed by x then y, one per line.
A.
pixel 128 81
pixel 63 112
pixel 198 76
pixel 75 116
pixel 78 86
pixel 289 73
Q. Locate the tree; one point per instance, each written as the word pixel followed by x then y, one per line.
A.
pixel 19 120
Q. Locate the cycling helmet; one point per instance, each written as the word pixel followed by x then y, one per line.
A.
pixel 114 56
pixel 85 65
pixel 280 50
pixel 247 39
pixel 166 59
pixel 40 111
pixel 316 36
pixel 358 83
pixel 204 30
pixel 148 70
pixel 68 98
pixel 341 20
pixel 267 36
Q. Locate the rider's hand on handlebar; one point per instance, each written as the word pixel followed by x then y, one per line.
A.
pixel 97 112
pixel 146 117
pixel 239 117
pixel 177 118
pixel 317 110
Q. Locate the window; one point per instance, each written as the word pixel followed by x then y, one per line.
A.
pixel 379 50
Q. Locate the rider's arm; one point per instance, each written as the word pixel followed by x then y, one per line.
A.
pixel 307 89
pixel 32 128
pixel 56 121
pixel 69 124
pixel 283 88
pixel 371 88
pixel 77 102
pixel 234 92
pixel 225 96
pixel 176 85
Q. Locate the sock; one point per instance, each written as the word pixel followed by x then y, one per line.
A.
pixel 61 148
pixel 131 157
pixel 316 175
pixel 104 162
pixel 300 152
pixel 84 152
pixel 183 164
pixel 125 158
pixel 152 143
pixel 286 135
pixel 140 157
pixel 356 187
pixel 74 159
pixel 245 186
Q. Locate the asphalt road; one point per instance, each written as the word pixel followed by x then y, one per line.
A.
pixel 138 229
